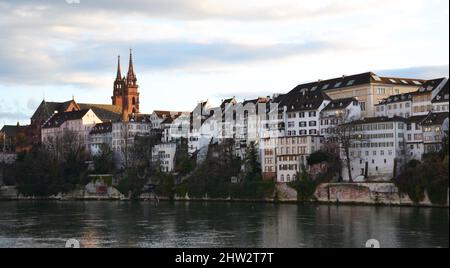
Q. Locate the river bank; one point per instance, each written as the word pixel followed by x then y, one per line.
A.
pixel 372 194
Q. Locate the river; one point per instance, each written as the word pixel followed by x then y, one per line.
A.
pixel 212 225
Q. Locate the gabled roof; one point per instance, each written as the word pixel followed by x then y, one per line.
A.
pixel 360 79
pixel 303 99
pixel 106 113
pixel 442 96
pixel 430 85
pixel 416 119
pixel 102 128
pixel 59 118
pixel 434 119
pixel 10 131
pixel 339 104
pixel 140 118
pixel 47 109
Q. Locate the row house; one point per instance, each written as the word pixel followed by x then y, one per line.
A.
pixel 425 134
pixel 283 158
pixel 78 122
pixel 164 154
pixel 396 105
pixel 338 112
pixel 301 109
pixel 440 102
pixel 377 148
pixel 422 98
pixel 124 134
pixel 100 135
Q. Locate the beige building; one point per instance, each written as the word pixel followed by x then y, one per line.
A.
pixel 368 88
pixel 282 158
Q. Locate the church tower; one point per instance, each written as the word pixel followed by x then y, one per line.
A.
pixel 119 87
pixel 126 91
pixel 131 95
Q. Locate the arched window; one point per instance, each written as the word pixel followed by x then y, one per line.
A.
pixel 134 101
pixel 282 178
pixel 288 178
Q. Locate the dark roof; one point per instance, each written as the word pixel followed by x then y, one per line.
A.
pixel 47 109
pixel 256 101
pixel 226 102
pixel 339 104
pixel 140 118
pixel 435 119
pixel 59 118
pixel 416 119
pixel 360 79
pixel 303 99
pixel 106 113
pixel 166 114
pixel 383 119
pixel 396 99
pixel 102 128
pixel 442 96
pixel 9 131
pixel 430 85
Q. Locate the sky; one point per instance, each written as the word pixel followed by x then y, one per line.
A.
pixel 186 51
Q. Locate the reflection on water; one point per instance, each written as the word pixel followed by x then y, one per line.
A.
pixel 126 224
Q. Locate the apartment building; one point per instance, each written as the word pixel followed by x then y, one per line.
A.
pixel 440 102
pixel 164 154
pixel 424 95
pixel 336 113
pixel 78 122
pixel 368 88
pixel 100 135
pixel 378 149
pixel 282 158
pixel 396 105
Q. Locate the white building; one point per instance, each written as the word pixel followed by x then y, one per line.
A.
pixel 164 154
pixel 378 148
pixel 78 122
pixel 338 112
pixel 440 102
pixel 124 134
pixel 101 134
pixel 433 131
pixel 396 105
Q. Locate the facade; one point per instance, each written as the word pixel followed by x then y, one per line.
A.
pixel 423 96
pixel 100 135
pixel 164 154
pixel 78 122
pixel 368 88
pixel 397 105
pixel 415 147
pixel 283 158
pixel 124 134
pixel 440 102
pixel 336 113
pixel 433 131
pixel 378 149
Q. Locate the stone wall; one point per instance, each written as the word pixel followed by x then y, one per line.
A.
pixel 365 193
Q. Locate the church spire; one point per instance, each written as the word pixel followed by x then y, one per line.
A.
pixel 119 71
pixel 131 77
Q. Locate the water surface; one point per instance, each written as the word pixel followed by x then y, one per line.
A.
pixel 211 225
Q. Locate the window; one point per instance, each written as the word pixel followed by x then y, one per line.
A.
pixel 312 114
pixel 312 123
pixel 363 106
